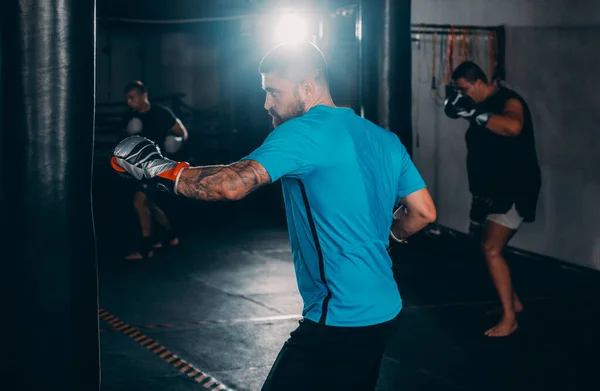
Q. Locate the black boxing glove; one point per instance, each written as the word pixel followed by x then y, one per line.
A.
pixel 460 106
pixel 482 118
pixel 139 158
pixel 449 109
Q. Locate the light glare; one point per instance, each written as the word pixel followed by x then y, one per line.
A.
pixel 291 28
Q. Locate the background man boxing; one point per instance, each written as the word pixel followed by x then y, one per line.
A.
pixel 155 122
pixel 503 171
pixel 342 177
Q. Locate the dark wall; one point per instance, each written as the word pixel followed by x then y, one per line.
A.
pixel 167 61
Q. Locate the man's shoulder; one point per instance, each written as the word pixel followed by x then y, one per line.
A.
pixel 509 93
pixel 299 124
pixel 158 108
pixel 387 137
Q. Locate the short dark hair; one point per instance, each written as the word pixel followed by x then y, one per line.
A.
pixel 297 61
pixel 469 71
pixel 136 85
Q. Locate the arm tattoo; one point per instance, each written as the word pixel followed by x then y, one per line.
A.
pixel 230 182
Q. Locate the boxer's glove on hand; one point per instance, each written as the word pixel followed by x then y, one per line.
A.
pixel 139 158
pixel 458 105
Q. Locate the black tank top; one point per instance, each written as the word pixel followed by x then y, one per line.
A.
pixel 504 168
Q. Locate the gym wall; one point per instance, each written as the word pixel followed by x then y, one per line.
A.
pixel 167 62
pixel 551 59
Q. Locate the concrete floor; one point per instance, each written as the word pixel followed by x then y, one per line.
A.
pixel 224 302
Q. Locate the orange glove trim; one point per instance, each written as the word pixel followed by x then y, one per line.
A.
pixel 172 173
pixel 115 165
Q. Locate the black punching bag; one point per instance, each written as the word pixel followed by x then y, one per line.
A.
pixel 387 65
pixel 399 101
pixel 48 254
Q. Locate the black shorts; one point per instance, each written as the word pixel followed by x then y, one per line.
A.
pixel 318 357
pixel 482 207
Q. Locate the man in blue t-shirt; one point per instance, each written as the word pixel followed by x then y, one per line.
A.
pixel 342 178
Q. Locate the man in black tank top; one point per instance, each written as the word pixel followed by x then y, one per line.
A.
pixel 158 124
pixel 503 171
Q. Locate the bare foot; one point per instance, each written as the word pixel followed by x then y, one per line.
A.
pixel 504 328
pixel 174 242
pixel 157 245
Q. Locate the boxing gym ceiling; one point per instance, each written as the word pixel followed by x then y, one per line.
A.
pixel 176 9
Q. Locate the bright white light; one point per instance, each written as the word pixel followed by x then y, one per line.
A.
pixel 291 28
pixel 358 30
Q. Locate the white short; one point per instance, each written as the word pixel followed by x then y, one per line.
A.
pixel 510 219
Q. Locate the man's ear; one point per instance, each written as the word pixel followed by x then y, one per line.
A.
pixel 307 87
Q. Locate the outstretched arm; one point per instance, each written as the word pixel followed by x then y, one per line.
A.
pixel 230 182
pixel 288 150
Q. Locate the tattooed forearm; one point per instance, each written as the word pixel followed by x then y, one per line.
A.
pixel 231 182
pixel 204 183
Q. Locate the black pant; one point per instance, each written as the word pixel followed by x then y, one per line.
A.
pixel 318 357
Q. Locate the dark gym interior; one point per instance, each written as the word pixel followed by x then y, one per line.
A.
pixel 213 312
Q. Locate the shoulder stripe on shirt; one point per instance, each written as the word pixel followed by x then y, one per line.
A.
pixel 313 229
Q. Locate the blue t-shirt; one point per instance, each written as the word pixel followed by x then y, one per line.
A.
pixel 342 176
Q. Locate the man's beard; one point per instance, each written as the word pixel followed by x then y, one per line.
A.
pixel 278 119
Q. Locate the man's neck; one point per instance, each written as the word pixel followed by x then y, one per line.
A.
pixel 145 107
pixel 491 91
pixel 323 99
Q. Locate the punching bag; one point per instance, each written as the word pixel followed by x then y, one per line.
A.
pixel 387 65
pixel 48 254
pixel 399 99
